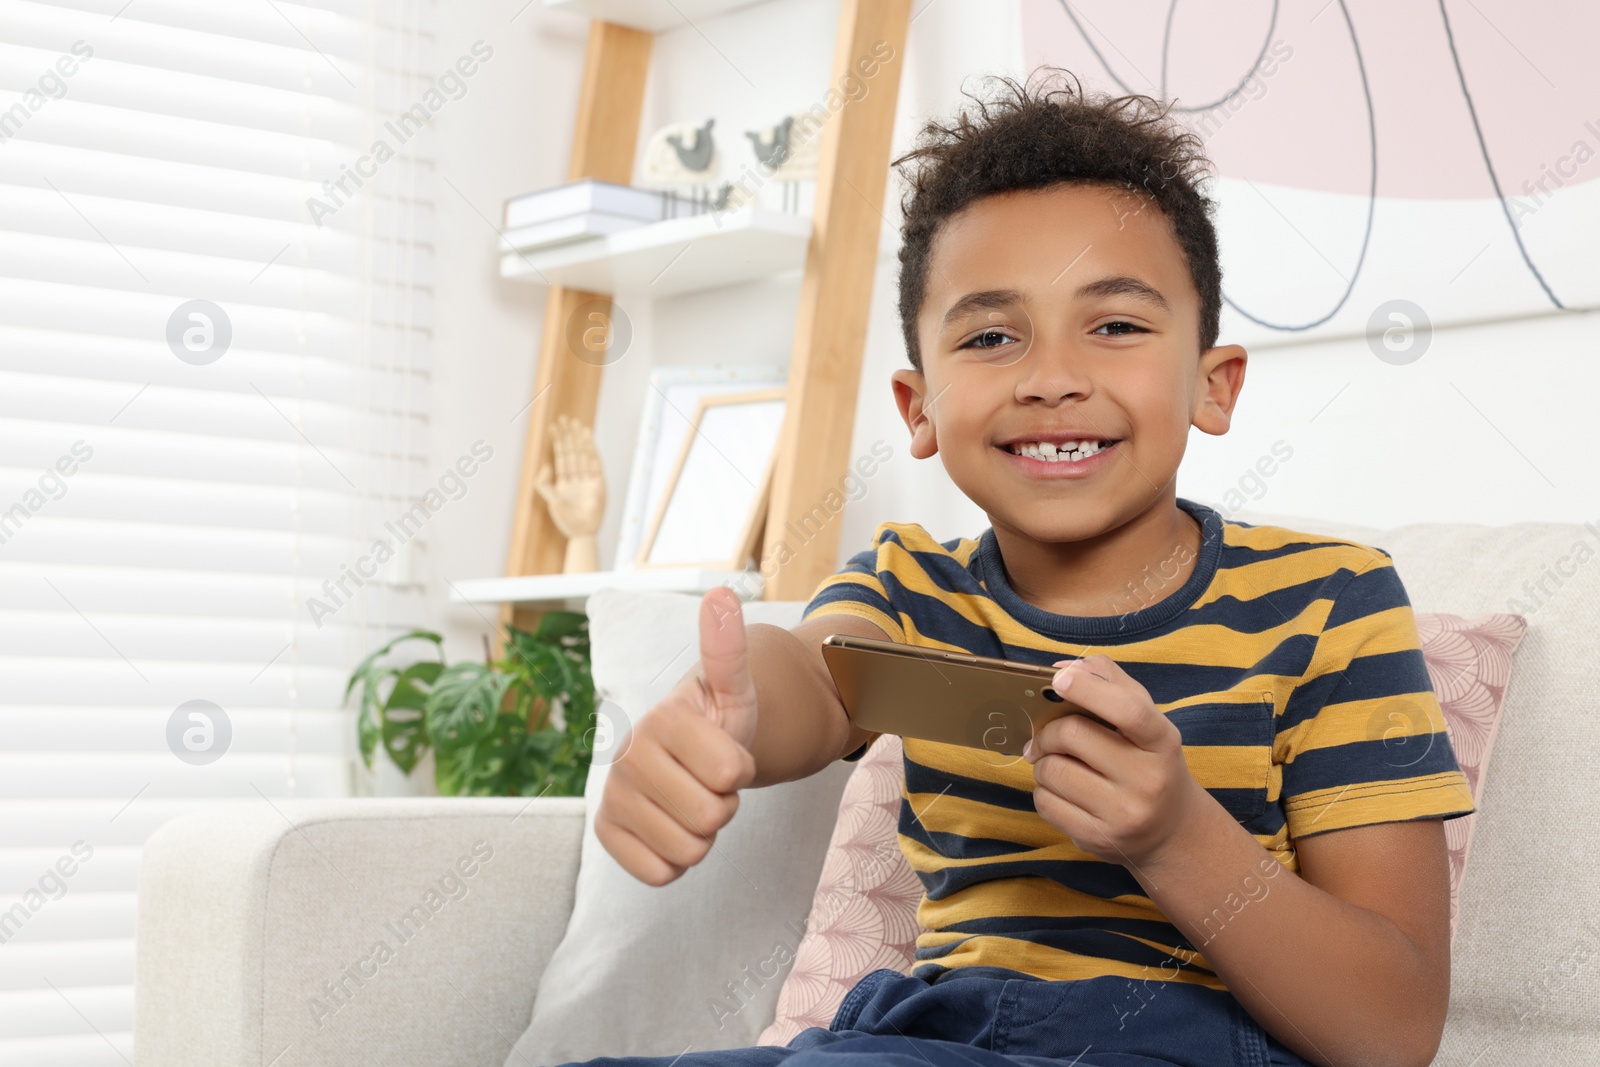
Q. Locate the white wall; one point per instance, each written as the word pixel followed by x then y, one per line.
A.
pixel 1399 444
pixel 1484 427
pixel 510 134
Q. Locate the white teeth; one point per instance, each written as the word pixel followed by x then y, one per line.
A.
pixel 1052 453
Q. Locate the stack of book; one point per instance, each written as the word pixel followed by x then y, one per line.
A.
pixel 588 208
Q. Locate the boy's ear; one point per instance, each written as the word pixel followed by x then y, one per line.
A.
pixel 1217 388
pixel 910 394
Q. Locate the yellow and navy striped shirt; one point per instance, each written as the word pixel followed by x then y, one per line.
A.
pixel 1290 664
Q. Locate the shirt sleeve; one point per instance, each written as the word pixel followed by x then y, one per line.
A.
pixel 1363 739
pixel 862 588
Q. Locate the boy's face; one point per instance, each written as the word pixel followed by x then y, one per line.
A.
pixel 1063 312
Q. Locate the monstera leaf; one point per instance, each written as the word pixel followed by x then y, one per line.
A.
pixel 464 705
pixel 403 723
pixel 371 676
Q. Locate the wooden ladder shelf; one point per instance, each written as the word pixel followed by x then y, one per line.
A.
pixel 835 294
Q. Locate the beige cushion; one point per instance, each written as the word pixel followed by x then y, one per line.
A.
pixel 647 970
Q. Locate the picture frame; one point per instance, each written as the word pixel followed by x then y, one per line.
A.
pixel 670 403
pixel 716 498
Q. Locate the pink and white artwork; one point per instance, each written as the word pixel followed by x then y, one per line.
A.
pixel 1435 160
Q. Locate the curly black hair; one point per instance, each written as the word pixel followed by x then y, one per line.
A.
pixel 1043 135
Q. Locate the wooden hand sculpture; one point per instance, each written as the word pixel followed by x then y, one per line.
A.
pixel 577 497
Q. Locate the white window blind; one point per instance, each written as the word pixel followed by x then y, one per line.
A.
pixel 177 479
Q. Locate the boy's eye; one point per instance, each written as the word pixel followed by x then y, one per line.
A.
pixel 989 339
pixel 1120 328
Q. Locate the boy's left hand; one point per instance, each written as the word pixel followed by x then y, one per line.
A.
pixel 1121 794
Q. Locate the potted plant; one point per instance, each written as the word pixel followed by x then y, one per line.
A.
pixel 521 725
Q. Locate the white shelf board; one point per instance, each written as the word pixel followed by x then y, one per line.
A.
pixel 570 591
pixel 672 256
pixel 651 15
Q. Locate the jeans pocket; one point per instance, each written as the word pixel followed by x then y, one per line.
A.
pixel 1279 1055
pixel 850 1007
pixel 1251 1045
pixel 1254 1047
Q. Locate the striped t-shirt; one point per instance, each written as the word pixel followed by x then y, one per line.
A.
pixel 1289 662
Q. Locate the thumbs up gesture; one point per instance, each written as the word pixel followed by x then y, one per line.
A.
pixel 728 693
pixel 679 780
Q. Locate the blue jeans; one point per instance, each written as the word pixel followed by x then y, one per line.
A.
pixel 990 1017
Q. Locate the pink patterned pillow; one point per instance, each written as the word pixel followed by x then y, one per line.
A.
pixel 864 914
pixel 1469 661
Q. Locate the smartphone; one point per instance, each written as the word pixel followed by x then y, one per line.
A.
pixel 952 697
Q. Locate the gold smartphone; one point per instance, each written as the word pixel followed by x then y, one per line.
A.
pixel 951 697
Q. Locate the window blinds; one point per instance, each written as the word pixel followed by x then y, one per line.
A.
pixel 210 395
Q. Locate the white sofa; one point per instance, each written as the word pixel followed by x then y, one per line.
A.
pixel 256 933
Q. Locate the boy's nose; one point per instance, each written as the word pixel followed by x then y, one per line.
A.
pixel 1051 373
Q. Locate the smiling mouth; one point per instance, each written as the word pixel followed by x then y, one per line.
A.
pixel 1064 453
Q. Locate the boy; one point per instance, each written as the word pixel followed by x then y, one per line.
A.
pixel 1250 867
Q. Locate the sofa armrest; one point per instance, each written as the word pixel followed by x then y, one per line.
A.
pixel 400 932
